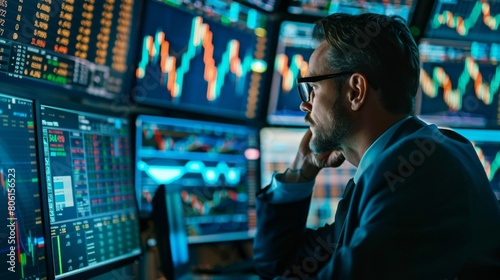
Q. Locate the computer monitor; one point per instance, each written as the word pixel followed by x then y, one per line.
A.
pixel 279 146
pixel 487 145
pixel 84 48
pixel 403 8
pixel 469 20
pixel 205 57
pixel 294 48
pixel 217 166
pixel 91 207
pixel 460 83
pixel 266 5
pixel 22 245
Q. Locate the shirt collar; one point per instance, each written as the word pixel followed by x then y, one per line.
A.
pixel 375 148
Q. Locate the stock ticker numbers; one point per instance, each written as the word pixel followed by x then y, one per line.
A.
pixel 80 45
pixel 90 191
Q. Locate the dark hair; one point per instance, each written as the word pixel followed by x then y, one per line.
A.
pixel 380 47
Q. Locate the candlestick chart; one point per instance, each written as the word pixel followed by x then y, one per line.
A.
pixel 460 87
pixel 205 65
pixel 291 62
pixel 215 166
pixel 489 155
pixel 487 145
pixel 474 20
pixel 22 249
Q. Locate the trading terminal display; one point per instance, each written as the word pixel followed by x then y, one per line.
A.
pixel 214 164
pixel 460 74
pixel 470 20
pixel 22 242
pixel 460 83
pixel 90 190
pixel 487 145
pixel 291 62
pixel 82 46
pixel 278 147
pixel 266 5
pixel 321 8
pixel 203 56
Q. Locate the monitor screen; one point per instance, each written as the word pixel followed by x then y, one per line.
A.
pixel 22 242
pixel 205 57
pixel 81 46
pixel 90 190
pixel 215 164
pixel 460 83
pixel 279 146
pixel 487 144
pixel 323 8
pixel 472 20
pixel 266 5
pixel 291 62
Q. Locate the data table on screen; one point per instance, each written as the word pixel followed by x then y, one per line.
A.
pixel 90 191
pixel 81 46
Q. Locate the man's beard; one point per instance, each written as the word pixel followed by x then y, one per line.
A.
pixel 331 138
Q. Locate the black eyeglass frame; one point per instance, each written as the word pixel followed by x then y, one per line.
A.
pixel 304 88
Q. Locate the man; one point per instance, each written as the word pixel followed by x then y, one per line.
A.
pixel 419 206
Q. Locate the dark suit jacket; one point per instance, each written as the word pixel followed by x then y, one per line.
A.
pixel 424 210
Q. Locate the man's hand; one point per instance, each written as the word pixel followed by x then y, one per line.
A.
pixel 307 165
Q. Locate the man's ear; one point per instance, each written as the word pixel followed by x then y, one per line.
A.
pixel 358 91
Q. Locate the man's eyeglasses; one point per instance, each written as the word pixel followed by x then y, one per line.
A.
pixel 305 89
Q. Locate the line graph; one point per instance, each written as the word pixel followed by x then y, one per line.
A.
pixel 470 20
pixel 208 62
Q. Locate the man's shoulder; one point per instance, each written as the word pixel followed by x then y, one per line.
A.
pixel 423 151
pixel 428 138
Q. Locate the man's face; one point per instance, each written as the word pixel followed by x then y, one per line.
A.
pixel 328 117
